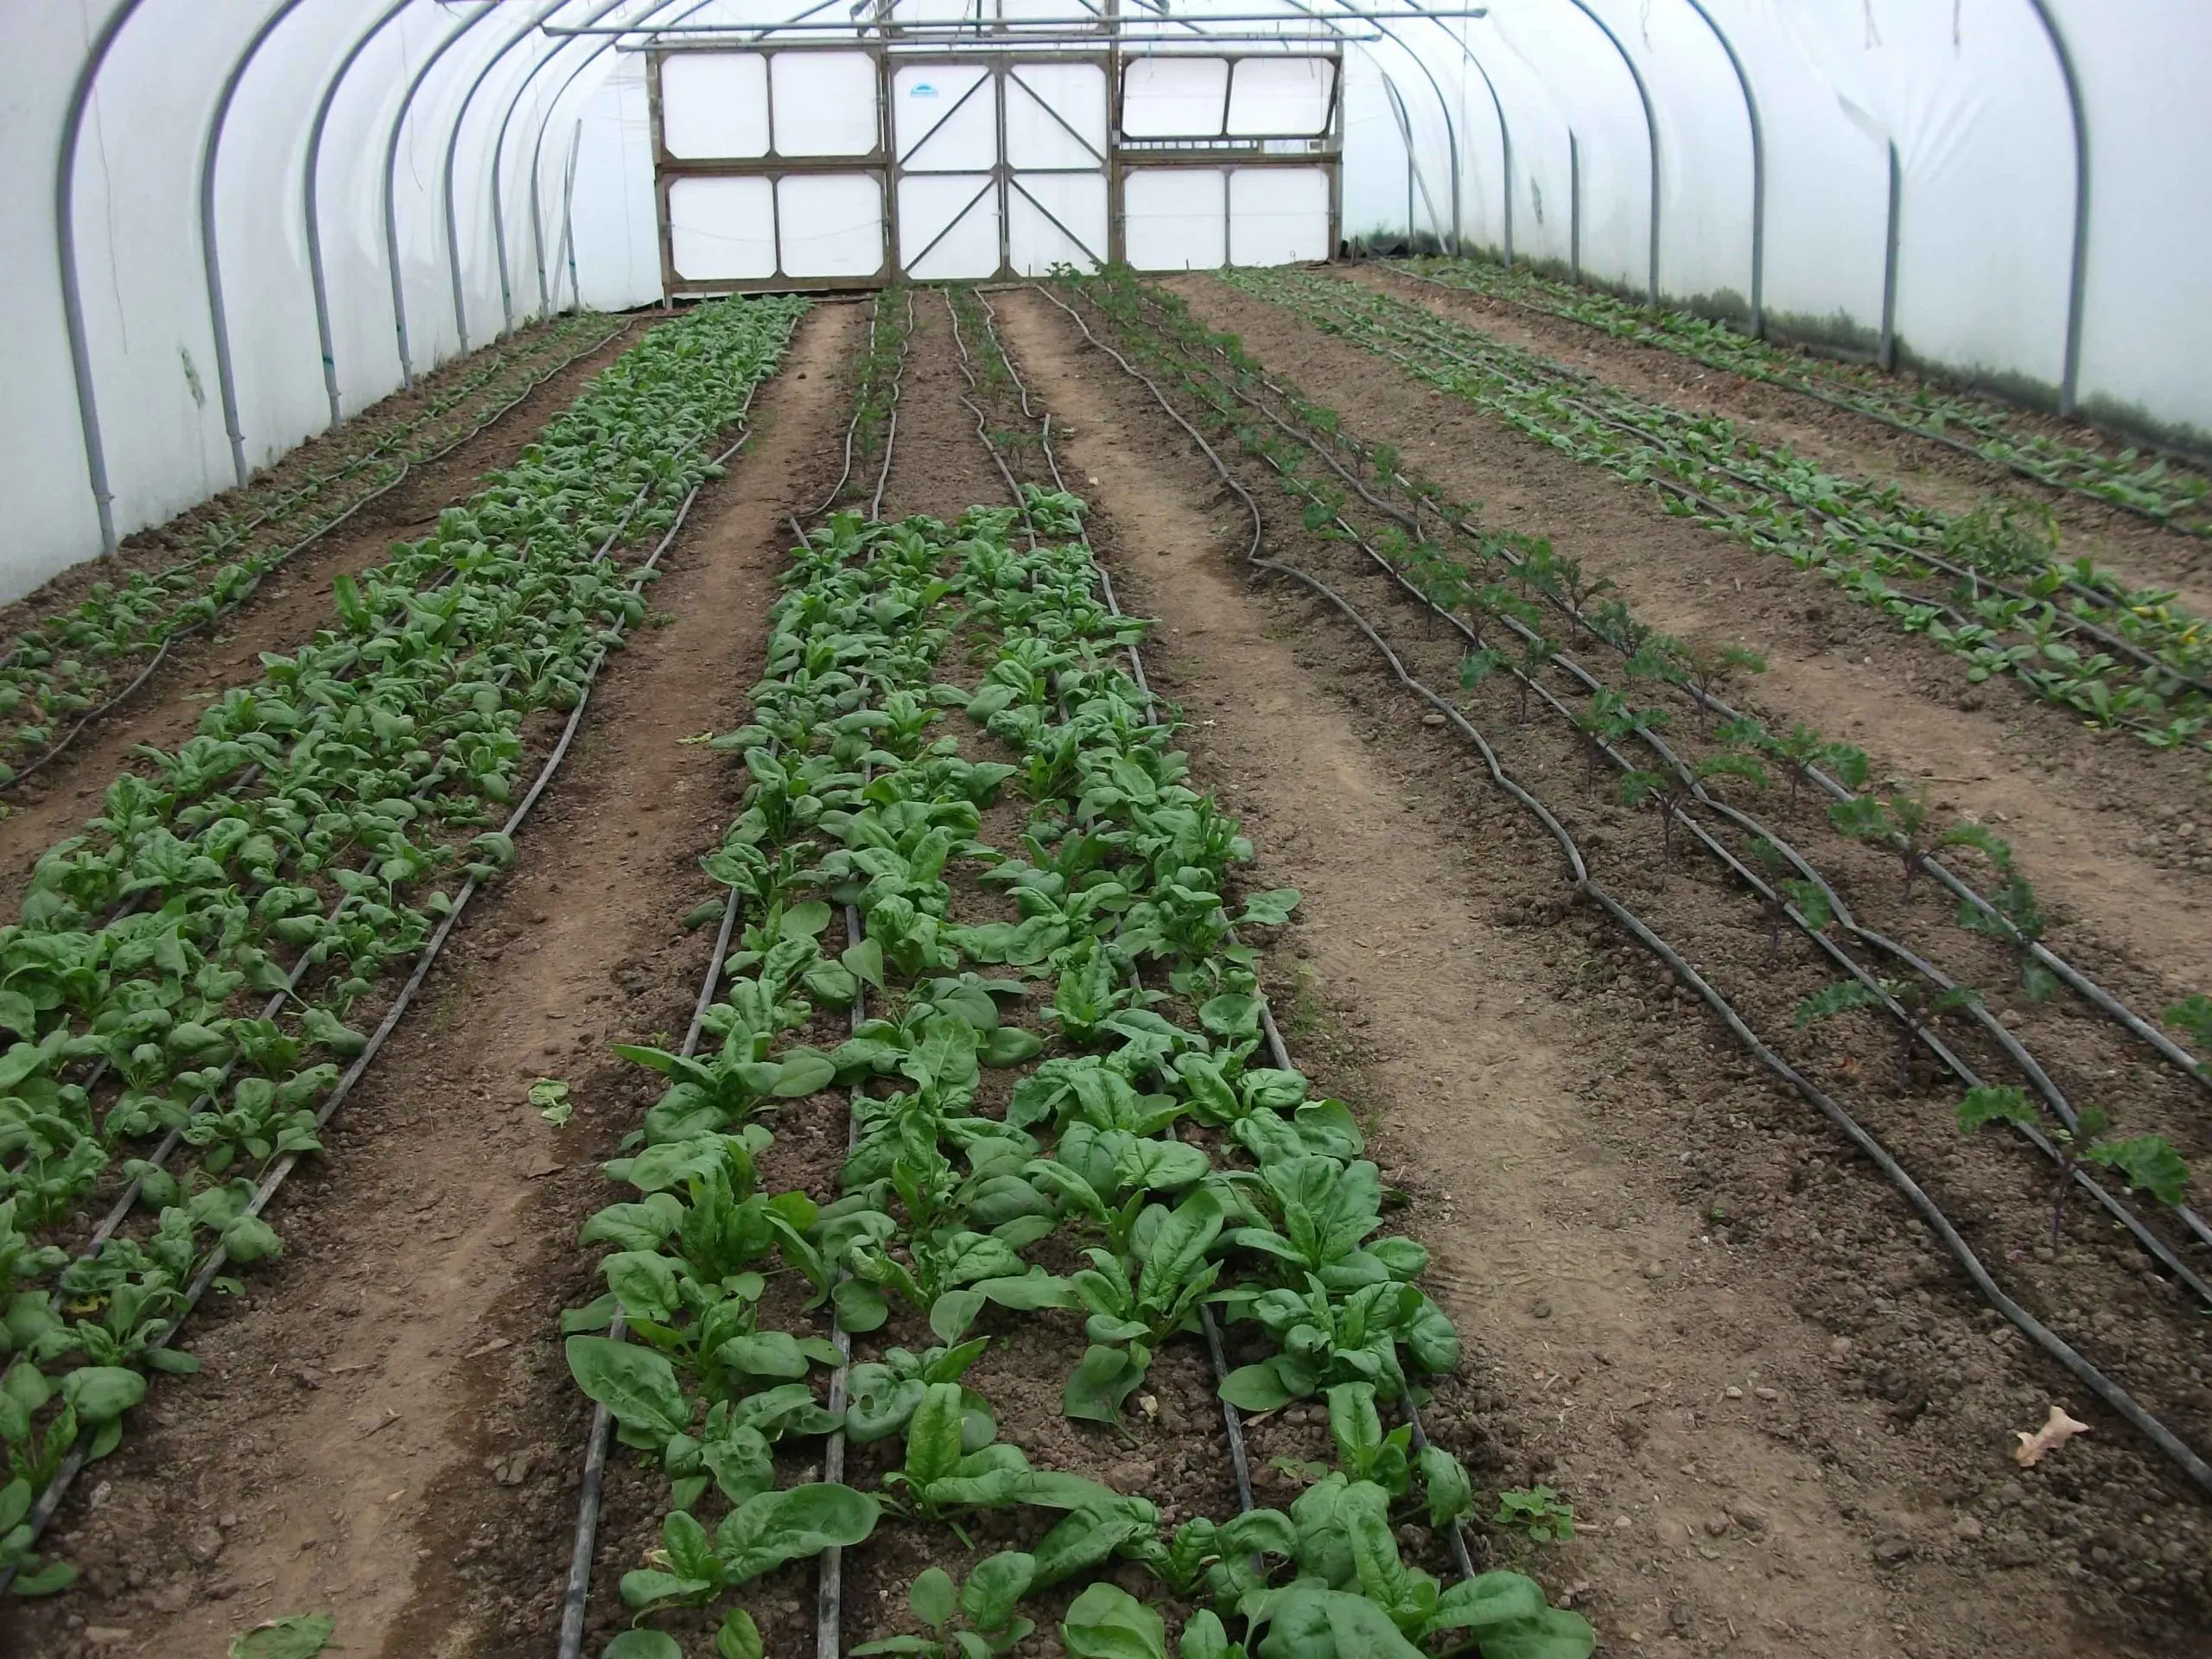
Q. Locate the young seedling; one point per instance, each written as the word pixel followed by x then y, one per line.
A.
pixel 2015 920
pixel 2145 1162
pixel 1537 1511
pixel 1603 721
pixel 1670 791
pixel 1707 667
pixel 1846 994
pixel 1900 823
pixel 987 1623
pixel 2192 1017
pixel 1784 890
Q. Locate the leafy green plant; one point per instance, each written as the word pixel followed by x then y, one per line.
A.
pixel 985 1606
pixel 1537 1512
pixel 2147 1163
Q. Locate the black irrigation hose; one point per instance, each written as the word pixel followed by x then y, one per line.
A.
pixel 43 1512
pixel 1931 1214
pixel 1565 661
pixel 2146 661
pixel 1805 389
pixel 1711 702
pixel 576 1593
pixel 94 716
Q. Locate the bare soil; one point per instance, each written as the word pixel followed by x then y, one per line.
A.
pixel 1930 474
pixel 292 602
pixel 1783 1423
pixel 385 1430
pixel 2116 837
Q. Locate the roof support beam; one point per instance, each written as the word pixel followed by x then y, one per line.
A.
pixel 2077 278
pixel 1759 171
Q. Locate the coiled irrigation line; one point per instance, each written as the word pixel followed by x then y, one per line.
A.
pixel 1278 1051
pixel 1841 911
pixel 1804 388
pixel 2074 979
pixel 575 1597
pixel 43 1512
pixel 170 638
pixel 2111 1394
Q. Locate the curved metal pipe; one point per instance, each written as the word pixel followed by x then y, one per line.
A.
pixel 391 183
pixel 1451 131
pixel 498 152
pixel 2078 274
pixel 537 146
pixel 310 192
pixel 64 248
pixel 452 149
pixel 210 259
pixel 1504 132
pixel 1651 132
pixel 1758 170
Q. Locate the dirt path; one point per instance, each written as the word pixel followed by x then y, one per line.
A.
pixel 2116 839
pixel 291 604
pixel 1677 1382
pixel 1930 474
pixel 389 1403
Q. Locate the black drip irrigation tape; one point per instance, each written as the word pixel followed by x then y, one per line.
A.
pixel 1714 704
pixel 50 1500
pixel 575 1598
pixel 2110 1393
pixel 1805 389
pixel 93 716
pixel 1766 893
pixel 1414 336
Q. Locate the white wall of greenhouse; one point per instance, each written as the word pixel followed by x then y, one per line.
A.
pixel 1511 130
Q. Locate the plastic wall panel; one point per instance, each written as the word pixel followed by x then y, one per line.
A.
pixel 1174 218
pixel 1278 215
pixel 1375 167
pixel 1281 97
pixel 722 229
pixel 825 103
pixel 958 213
pixel 617 228
pixel 830 224
pixel 1705 147
pixel 1056 219
pixel 715 104
pixel 945 117
pixel 1056 115
pixel 1174 97
pixel 2143 340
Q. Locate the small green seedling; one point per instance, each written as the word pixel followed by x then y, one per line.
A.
pixel 1537 1511
pixel 2145 1162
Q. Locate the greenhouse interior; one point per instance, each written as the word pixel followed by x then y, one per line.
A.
pixel 1125 828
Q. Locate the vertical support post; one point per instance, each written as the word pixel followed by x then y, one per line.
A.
pixel 1889 346
pixel 211 262
pixel 2077 277
pixel 1759 171
pixel 64 246
pixel 310 188
pixel 568 222
pixel 392 186
pixel 1573 207
pixel 1651 133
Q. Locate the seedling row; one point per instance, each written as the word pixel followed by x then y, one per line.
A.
pixel 1534 712
pixel 1067 1141
pixel 188 986
pixel 2158 489
pixel 1986 586
pixel 68 669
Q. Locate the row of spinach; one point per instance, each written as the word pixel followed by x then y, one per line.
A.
pixel 66 666
pixel 1143 1125
pixel 2156 488
pixel 1986 586
pixel 184 969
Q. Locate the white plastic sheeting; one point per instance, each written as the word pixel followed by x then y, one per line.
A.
pixel 1531 130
